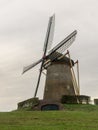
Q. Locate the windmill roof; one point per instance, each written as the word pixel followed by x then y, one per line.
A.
pixel 63 59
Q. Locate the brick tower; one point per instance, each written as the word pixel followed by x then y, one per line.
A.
pixel 59 80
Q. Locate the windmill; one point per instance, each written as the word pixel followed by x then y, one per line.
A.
pixel 49 57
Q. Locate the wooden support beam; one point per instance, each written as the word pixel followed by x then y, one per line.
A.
pixel 62 56
pixel 76 89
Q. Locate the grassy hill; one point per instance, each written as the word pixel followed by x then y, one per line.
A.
pixel 74 117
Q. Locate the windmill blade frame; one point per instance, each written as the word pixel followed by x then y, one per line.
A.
pixel 64 44
pixel 46 45
pixel 61 47
pixel 25 69
pixel 39 77
pixel 49 33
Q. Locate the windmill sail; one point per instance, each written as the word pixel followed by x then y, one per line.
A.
pixel 39 77
pixel 47 45
pixel 31 66
pixel 50 33
pixel 62 46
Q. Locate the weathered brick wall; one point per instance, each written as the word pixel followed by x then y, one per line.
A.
pixel 58 81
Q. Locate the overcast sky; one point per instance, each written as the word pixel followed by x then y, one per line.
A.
pixel 23 25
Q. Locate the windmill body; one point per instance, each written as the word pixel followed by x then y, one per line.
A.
pixel 59 80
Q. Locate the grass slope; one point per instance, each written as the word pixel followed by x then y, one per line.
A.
pixel 74 117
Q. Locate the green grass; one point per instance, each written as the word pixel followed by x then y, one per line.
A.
pixel 74 117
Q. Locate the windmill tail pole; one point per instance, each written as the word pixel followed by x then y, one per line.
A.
pixel 73 78
pixel 73 75
pixel 63 55
pixel 77 62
